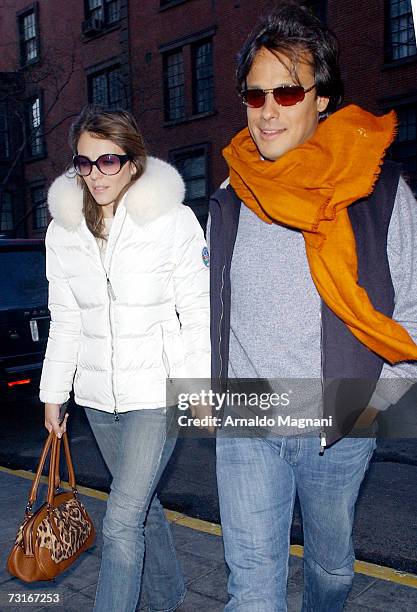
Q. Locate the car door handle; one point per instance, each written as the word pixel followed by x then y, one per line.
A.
pixel 34 330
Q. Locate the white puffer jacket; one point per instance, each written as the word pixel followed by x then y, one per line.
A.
pixel 114 323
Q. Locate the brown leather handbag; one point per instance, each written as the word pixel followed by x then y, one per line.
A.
pixel 50 539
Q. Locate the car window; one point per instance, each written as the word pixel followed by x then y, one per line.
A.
pixel 23 282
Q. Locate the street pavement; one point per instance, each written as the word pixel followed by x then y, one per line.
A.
pixel 200 554
pixel 385 531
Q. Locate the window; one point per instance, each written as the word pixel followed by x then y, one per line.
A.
pixel 35 144
pixel 106 11
pixel 4 133
pixel 400 36
pixel 174 86
pixel 40 217
pixel 6 211
pixel 106 88
pixel 28 37
pixel 192 164
pixel 404 149
pixel 188 76
pixel 202 58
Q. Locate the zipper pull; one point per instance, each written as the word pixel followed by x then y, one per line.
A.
pixel 116 414
pixel 322 442
pixel 110 289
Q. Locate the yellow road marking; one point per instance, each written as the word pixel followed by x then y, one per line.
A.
pixel 361 567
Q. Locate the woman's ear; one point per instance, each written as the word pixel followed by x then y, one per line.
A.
pixel 133 169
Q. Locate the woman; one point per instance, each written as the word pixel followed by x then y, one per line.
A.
pixel 128 295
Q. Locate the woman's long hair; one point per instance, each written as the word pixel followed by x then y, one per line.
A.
pixel 120 127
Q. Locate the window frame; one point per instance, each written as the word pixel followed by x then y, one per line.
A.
pixel 104 11
pixel 11 212
pixel 39 206
pixel 389 46
pixel 195 80
pixel 5 133
pixel 20 16
pixel 198 205
pixel 186 44
pixel 106 69
pixel 167 89
pixel 29 129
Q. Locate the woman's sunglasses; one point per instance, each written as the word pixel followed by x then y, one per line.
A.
pixel 107 164
pixel 285 95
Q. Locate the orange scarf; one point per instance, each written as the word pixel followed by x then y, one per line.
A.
pixel 309 189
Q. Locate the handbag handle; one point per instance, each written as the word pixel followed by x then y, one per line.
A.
pixel 53 477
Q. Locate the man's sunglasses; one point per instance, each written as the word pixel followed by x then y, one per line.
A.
pixel 285 95
pixel 109 164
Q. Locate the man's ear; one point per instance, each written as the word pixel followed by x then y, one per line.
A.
pixel 322 103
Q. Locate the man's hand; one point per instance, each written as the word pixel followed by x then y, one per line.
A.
pixel 366 418
pixel 52 419
pixel 199 412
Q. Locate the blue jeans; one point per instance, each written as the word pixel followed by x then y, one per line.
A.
pixel 137 542
pixel 257 481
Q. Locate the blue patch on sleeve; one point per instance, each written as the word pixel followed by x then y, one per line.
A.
pixel 205 256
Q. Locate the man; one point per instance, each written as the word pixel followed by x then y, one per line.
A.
pixel 311 246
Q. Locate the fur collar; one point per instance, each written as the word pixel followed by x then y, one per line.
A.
pixel 158 190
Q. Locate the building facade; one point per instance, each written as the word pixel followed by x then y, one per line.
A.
pixel 172 63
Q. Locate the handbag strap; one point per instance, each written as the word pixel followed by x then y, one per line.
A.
pixel 34 489
pixel 53 477
pixel 53 469
pixel 71 473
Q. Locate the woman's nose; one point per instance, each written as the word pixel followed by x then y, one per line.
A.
pixel 95 173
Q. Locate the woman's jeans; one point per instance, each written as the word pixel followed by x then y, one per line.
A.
pixel 137 542
pixel 257 481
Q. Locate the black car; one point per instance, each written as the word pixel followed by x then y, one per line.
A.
pixel 24 314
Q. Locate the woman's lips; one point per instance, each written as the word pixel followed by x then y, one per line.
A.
pixel 99 189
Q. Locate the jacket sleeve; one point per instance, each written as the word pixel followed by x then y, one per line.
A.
pixel 191 286
pixel 64 332
pixel 397 379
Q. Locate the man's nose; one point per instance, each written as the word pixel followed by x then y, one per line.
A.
pixel 270 108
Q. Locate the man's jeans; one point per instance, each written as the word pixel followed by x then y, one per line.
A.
pixel 136 535
pixel 257 480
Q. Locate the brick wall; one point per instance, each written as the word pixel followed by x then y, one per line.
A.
pixel 137 44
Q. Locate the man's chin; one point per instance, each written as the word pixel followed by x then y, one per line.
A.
pixel 270 153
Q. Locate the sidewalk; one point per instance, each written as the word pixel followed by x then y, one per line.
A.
pixel 201 555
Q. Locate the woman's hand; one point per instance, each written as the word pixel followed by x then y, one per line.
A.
pixel 52 419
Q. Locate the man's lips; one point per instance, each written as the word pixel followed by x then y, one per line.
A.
pixel 270 134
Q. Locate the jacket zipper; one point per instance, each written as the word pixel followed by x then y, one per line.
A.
pixel 112 298
pixel 322 433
